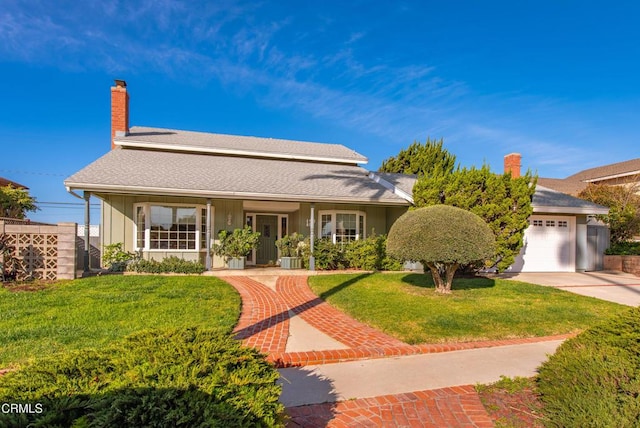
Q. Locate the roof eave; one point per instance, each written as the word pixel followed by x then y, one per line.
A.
pixel 211 150
pixel 611 177
pixel 570 210
pixel 158 191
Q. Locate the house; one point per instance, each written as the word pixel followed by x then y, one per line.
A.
pixel 168 192
pixel 5 182
pixel 615 174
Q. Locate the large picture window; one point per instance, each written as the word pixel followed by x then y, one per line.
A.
pixel 170 227
pixel 342 226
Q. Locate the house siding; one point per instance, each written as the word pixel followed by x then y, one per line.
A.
pixel 118 220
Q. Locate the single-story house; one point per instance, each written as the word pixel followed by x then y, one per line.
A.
pixel 168 192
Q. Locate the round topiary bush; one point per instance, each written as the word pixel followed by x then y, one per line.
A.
pixel 441 237
pixel 594 378
pixel 180 377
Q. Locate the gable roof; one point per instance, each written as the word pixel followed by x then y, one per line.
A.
pixel 614 170
pixel 547 200
pixel 235 145
pixel 174 173
pixel 564 185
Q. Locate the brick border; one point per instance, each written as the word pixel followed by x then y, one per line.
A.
pixel 264 320
pixel 295 291
pixel 264 324
pixel 445 407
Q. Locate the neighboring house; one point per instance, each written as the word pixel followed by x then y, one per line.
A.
pixel 164 191
pixel 167 192
pixel 615 174
pixel 4 182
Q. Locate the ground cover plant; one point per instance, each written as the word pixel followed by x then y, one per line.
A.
pixel 594 378
pixel 93 312
pixel 156 378
pixel 406 306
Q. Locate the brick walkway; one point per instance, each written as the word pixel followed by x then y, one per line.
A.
pixel 264 324
pixel 458 406
pixel 264 321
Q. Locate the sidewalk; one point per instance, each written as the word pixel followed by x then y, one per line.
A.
pixel 336 371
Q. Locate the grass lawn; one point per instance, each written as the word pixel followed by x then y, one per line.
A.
pixel 405 305
pixel 91 312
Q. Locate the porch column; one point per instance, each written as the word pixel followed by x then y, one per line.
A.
pixel 87 227
pixel 208 236
pixel 312 226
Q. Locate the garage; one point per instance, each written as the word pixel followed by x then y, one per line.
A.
pixel 549 245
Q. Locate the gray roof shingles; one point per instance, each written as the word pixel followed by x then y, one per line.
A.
pixel 270 147
pixel 229 176
pixel 545 197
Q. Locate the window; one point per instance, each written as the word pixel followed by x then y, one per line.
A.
pixel 342 226
pixel 563 223
pixel 551 223
pixel 537 222
pixel 170 227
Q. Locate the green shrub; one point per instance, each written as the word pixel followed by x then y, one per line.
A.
pixel 238 243
pixel 594 378
pixel 115 258
pixel 624 249
pixel 162 378
pixel 291 245
pixel 370 254
pixel 171 264
pixel 329 256
pixel 442 238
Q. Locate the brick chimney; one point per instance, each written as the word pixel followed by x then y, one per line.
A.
pixel 512 163
pixel 119 110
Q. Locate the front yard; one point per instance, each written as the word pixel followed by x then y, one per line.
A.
pixel 94 312
pixel 405 306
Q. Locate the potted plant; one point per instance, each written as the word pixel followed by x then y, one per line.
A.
pixel 235 246
pixel 290 247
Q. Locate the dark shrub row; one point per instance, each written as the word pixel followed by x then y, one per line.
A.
pixel 181 377
pixel 170 264
pixel 593 380
pixel 624 249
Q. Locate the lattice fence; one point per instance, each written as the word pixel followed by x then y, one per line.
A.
pixel 44 251
pixel 38 255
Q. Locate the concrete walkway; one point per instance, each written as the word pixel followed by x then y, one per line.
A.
pixel 336 371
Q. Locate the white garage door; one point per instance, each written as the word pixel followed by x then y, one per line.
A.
pixel 549 245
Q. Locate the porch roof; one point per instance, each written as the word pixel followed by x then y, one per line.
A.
pixel 131 171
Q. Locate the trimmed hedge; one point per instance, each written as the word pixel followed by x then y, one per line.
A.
pixel 594 378
pixel 170 264
pixel 164 378
pixel 624 249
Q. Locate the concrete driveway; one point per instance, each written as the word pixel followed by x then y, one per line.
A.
pixel 618 287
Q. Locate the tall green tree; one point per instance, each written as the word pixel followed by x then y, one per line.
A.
pixel 503 202
pixel 421 159
pixel 16 202
pixel 624 209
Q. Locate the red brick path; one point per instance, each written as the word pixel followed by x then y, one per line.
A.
pixel 458 406
pixel 264 321
pixel 264 324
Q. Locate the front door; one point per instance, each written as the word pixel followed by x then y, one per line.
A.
pixel 267 225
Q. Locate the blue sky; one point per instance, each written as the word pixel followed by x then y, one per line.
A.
pixel 557 81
